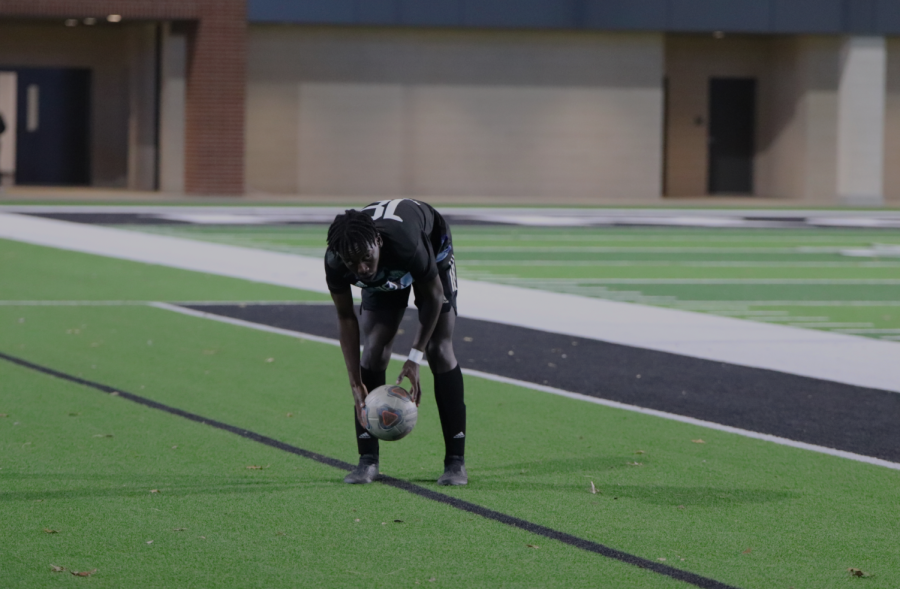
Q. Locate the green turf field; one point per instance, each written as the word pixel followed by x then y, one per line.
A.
pixel 789 277
pixel 78 468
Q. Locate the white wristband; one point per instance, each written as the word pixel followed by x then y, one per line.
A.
pixel 415 356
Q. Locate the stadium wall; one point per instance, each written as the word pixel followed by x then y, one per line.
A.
pixel 390 111
pixel 119 154
pixel 892 124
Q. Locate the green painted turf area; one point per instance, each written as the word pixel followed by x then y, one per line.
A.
pixel 83 464
pixel 790 277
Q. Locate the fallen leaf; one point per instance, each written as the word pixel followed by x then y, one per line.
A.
pixel 270 359
pixel 256 467
pixel 103 435
pixel 356 520
pixel 4 414
pixel 635 463
pixel 154 490
pixel 290 414
pixel 203 537
pixel 398 521
pixel 681 507
pixel 593 488
pixel 532 546
pixel 698 441
pixel 84 573
pixel 57 569
pixel 640 452
pixel 748 551
pixel 74 414
pixel 431 580
pixel 279 533
pixel 179 529
pixel 149 541
pixel 114 393
pixel 663 559
pixel 858 573
pixel 174 447
pixel 49 531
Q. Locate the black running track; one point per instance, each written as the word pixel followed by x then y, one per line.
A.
pixel 424 492
pixel 850 418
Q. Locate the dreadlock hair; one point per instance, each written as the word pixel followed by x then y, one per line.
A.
pixel 351 233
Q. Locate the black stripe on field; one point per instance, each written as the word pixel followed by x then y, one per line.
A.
pixel 821 412
pixel 401 484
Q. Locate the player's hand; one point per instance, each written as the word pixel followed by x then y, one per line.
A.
pixel 359 399
pixel 411 371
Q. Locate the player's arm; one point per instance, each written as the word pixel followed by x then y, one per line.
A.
pixel 430 299
pixel 349 328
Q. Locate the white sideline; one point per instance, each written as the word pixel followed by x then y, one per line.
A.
pixel 554 391
pixel 836 357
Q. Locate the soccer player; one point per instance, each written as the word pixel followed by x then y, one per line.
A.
pixel 388 249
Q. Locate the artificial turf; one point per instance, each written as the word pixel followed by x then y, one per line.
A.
pixel 37 273
pixel 772 275
pixel 744 512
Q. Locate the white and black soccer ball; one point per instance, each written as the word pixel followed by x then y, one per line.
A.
pixel 390 412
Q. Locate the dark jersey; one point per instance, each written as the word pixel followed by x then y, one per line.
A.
pixel 416 244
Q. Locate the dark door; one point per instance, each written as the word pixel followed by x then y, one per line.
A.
pixel 53 139
pixel 732 126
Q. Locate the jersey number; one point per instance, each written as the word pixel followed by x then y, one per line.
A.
pixel 385 210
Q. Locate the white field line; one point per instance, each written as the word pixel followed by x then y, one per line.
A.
pixel 781 281
pixel 555 391
pixel 144 303
pixel 849 359
pixel 676 264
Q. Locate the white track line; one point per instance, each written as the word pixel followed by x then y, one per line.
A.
pixel 848 359
pixel 554 391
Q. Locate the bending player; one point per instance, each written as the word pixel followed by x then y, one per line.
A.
pixel 388 249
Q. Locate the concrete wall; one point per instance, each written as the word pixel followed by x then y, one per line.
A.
pixel 796 138
pixel 385 112
pixel 892 125
pixel 122 111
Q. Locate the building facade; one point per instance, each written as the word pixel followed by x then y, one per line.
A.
pixel 549 100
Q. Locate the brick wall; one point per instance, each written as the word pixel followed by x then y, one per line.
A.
pixel 214 139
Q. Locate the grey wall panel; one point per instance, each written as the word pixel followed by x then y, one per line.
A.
pixel 859 17
pixel 377 12
pixel 887 17
pixel 808 16
pixel 302 11
pixel 539 14
pixel 725 15
pixel 447 13
pixel 646 15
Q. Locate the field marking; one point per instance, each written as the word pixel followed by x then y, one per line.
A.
pixel 401 484
pixel 676 264
pixel 551 390
pixel 145 303
pixel 848 359
pixel 718 281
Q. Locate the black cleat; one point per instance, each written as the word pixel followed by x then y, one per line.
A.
pixel 454 472
pixel 365 472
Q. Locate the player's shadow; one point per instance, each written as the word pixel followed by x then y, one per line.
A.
pixel 573 475
pixel 695 496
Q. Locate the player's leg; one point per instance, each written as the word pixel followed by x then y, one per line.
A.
pixel 448 386
pixel 380 320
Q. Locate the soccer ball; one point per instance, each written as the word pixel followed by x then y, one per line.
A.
pixel 390 412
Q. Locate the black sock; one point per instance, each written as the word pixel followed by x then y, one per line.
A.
pixel 448 392
pixel 365 442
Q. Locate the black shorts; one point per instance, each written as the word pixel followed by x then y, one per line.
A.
pixel 376 300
